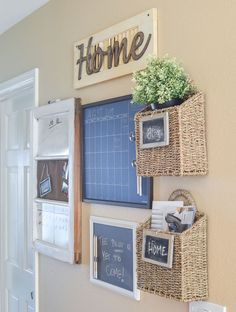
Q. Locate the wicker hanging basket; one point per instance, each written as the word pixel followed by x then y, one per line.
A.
pixel 187 280
pixel 186 153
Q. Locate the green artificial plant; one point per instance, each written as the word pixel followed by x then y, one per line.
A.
pixel 163 79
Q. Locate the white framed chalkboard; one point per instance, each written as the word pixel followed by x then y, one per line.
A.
pixel 113 255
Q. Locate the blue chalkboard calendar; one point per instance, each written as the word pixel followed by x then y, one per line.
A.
pixel 109 174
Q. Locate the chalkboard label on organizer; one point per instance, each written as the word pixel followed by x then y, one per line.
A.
pixel 113 256
pixel 158 248
pixel 154 130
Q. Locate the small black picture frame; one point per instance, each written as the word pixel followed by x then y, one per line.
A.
pixel 154 131
pixel 45 187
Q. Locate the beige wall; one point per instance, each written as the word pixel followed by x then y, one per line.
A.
pixel 201 34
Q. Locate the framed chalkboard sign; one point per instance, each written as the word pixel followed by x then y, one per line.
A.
pixel 158 248
pixel 109 173
pixel 113 255
pixel 154 130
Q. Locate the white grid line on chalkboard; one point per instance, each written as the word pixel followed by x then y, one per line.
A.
pixel 117 147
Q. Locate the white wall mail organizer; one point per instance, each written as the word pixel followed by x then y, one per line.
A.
pixel 56 165
pixel 113 255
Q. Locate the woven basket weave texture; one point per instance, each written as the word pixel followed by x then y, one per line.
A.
pixel 187 280
pixel 186 153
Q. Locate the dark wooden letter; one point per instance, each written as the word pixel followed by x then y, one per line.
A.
pixel 97 60
pixel 89 61
pixel 81 59
pixel 136 43
pixel 117 49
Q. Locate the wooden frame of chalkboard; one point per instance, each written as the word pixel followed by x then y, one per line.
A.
pixel 147 182
pixel 113 255
pixel 158 248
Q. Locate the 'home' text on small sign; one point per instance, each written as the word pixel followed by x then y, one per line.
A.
pixel 116 51
pixel 158 248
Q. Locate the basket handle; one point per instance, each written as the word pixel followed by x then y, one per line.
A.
pixel 184 195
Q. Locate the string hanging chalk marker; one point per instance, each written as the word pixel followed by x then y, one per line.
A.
pixel 139 180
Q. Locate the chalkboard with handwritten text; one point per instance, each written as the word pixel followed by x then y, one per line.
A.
pixel 113 256
pixel 158 248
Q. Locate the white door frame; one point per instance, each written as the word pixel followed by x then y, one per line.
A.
pixel 7 89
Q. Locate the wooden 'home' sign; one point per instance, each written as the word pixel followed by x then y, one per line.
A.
pixel 116 51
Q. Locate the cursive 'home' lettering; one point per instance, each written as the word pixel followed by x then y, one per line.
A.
pixel 96 57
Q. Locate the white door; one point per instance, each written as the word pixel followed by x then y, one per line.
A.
pixel 17 255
